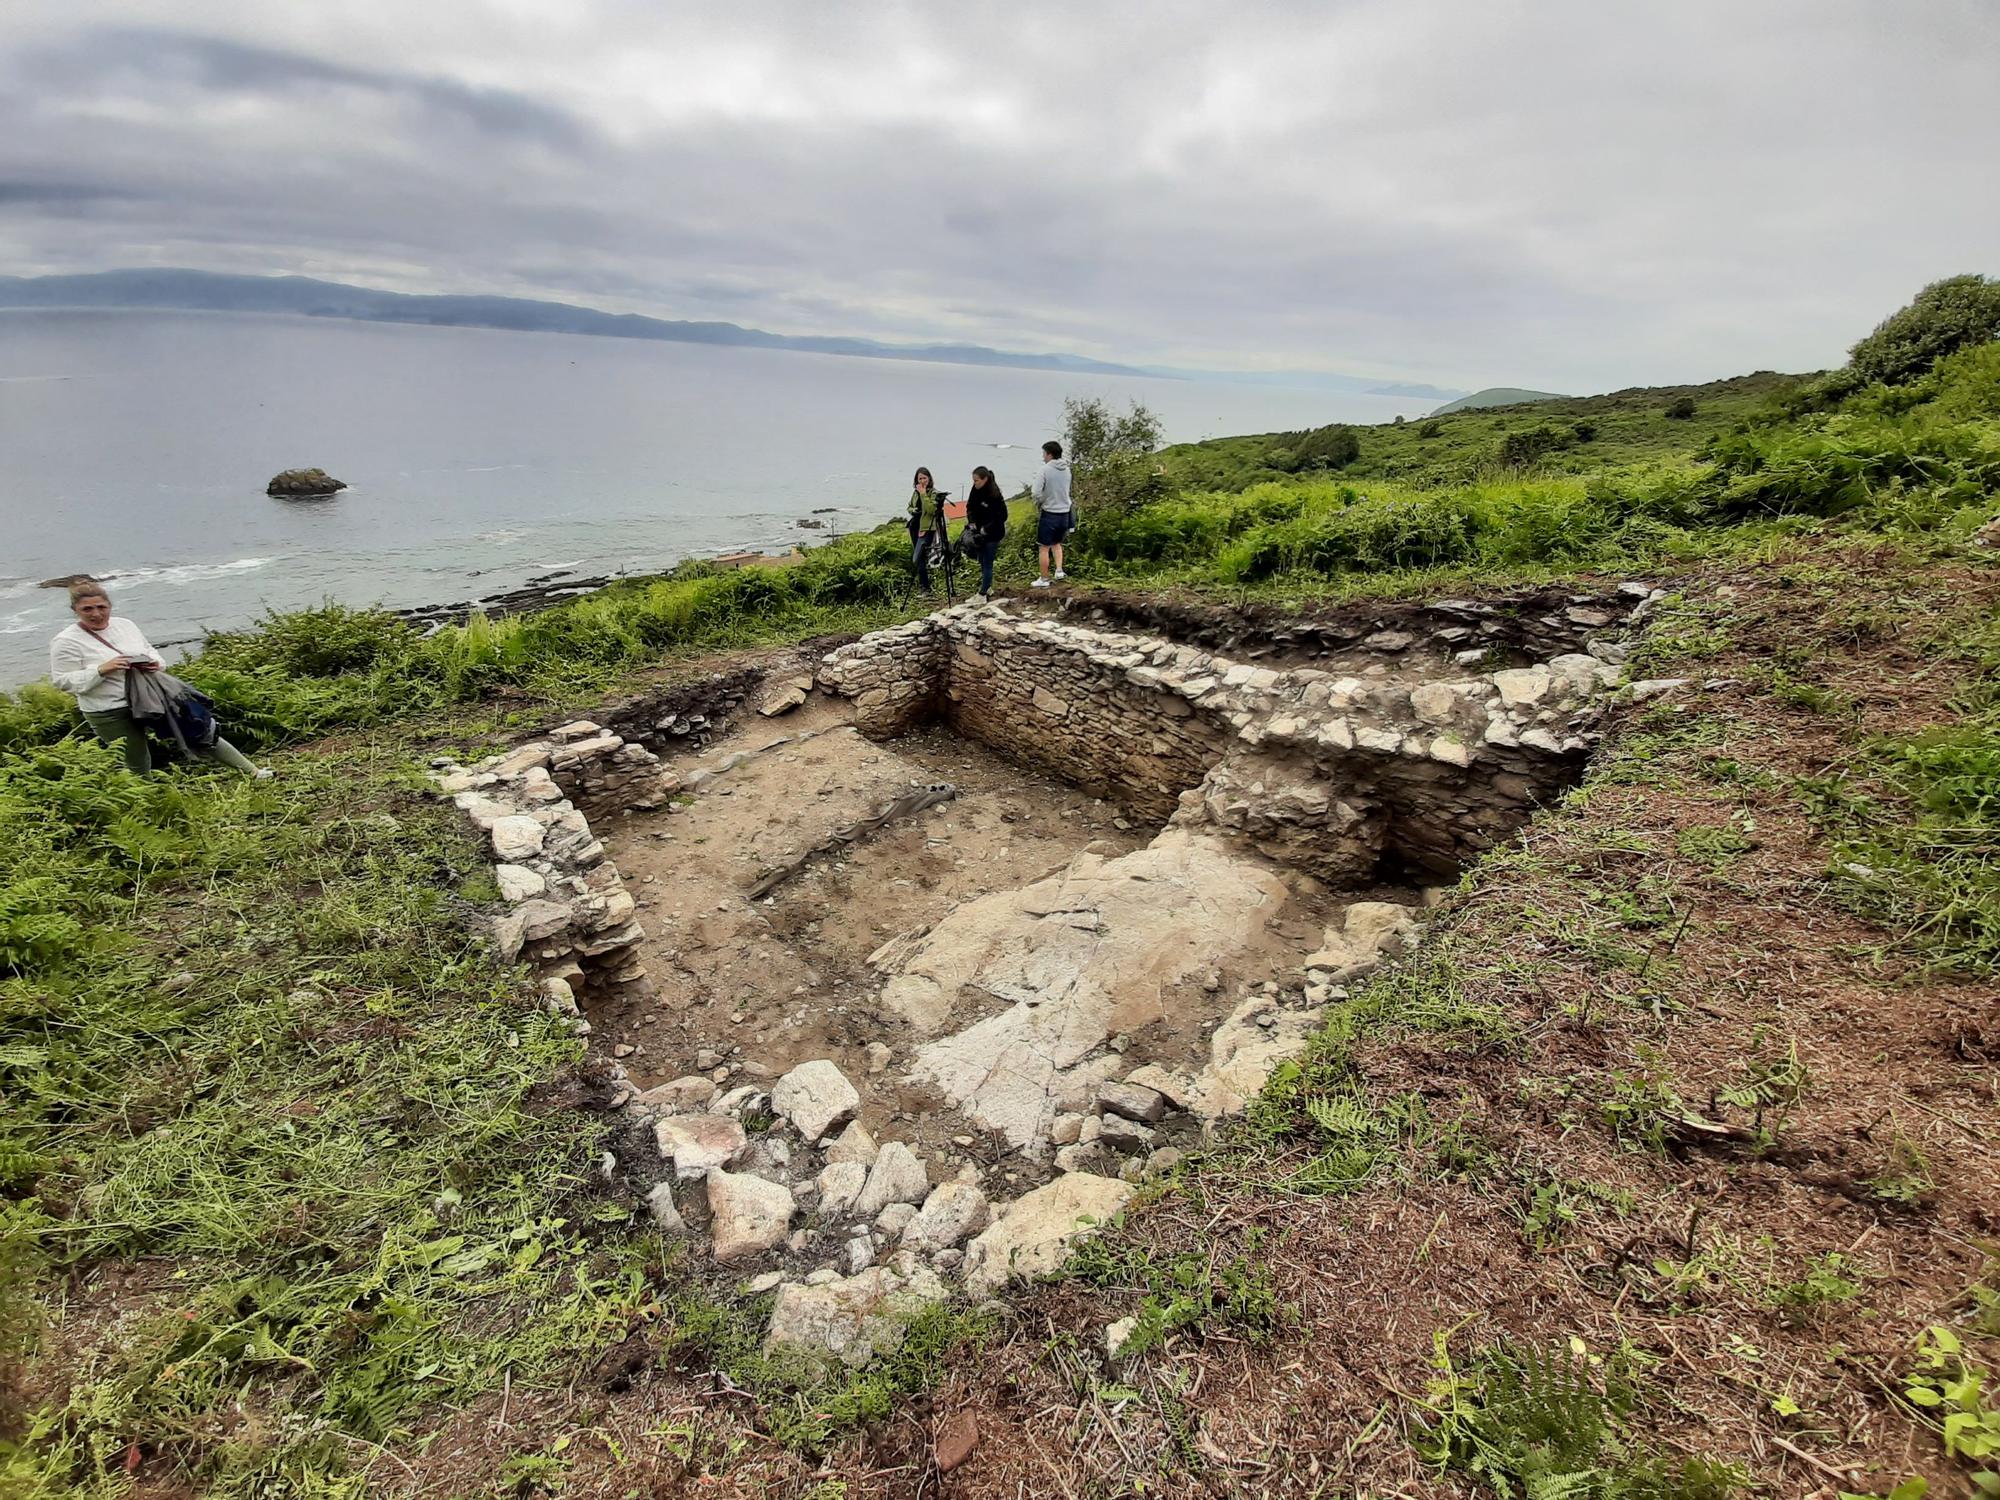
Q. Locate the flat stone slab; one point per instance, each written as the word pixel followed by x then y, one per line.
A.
pixel 1034 1233
pixel 1079 957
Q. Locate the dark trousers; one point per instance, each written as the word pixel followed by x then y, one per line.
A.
pixel 985 550
pixel 920 555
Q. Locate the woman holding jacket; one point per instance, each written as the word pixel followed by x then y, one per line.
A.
pixel 94 660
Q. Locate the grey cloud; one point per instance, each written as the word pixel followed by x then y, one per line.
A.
pixel 1569 195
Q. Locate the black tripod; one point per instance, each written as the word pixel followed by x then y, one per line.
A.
pixel 941 554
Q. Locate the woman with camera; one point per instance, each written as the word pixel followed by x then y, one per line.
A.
pixel 985 525
pixel 926 520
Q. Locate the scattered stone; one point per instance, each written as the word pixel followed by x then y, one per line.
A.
pixel 954 1441
pixel 697 1143
pixel 1122 1134
pixel 855 1318
pixel 840 1184
pixel 766 1281
pixel 816 1097
pixel 1164 1160
pixel 690 1095
pixel 1167 1085
pixel 1133 1101
pixel 879 1055
pixel 747 1215
pixel 949 1214
pixel 738 1102
pixel 1653 687
pixel 1065 1129
pixel 707 1059
pixel 894 1219
pixel 1118 1335
pixel 860 1254
pixel 897 1177
pixel 853 1144
pixel 1033 1234
pixel 660 1204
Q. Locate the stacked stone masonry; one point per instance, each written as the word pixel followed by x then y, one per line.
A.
pixel 568 911
pixel 1334 772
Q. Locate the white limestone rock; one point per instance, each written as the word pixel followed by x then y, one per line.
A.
pixel 697 1143
pixel 840 1184
pixel 897 1177
pixel 747 1215
pixel 852 1319
pixel 853 1144
pixel 816 1097
pixel 1032 1235
pixel 518 882
pixel 949 1214
pixel 516 837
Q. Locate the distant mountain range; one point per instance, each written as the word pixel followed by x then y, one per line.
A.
pixel 212 291
pixel 1498 395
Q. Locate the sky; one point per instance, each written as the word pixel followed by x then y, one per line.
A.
pixel 1561 195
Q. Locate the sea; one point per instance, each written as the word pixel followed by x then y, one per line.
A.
pixel 136 446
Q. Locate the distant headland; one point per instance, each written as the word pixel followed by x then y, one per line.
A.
pixel 182 290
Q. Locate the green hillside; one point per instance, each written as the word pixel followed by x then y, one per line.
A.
pixel 1563 434
pixel 1496 395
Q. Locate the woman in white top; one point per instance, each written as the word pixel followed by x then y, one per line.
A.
pixel 91 658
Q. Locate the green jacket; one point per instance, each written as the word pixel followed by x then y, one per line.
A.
pixel 926 511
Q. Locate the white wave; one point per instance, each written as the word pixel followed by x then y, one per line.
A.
pixel 22 621
pixel 505 534
pixel 182 572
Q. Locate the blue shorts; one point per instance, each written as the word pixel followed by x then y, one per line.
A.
pixel 1053 526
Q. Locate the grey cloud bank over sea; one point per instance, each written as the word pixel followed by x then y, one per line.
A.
pixel 1567 196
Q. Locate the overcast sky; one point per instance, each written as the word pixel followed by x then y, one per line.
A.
pixel 1571 196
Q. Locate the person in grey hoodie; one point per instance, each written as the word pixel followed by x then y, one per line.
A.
pixel 1057 510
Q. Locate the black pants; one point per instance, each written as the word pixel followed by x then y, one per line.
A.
pixel 984 550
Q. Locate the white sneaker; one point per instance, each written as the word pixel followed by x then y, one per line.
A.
pixel 1059 573
pixel 262 773
pixel 1041 583
pixel 977 599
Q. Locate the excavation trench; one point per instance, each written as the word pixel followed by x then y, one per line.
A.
pixel 1051 894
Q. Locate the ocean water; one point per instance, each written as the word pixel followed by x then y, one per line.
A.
pixel 136 445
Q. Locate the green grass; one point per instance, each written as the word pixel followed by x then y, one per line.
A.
pixel 251 1053
pixel 253 1050
pixel 1625 427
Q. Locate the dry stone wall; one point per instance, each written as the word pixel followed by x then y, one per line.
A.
pixel 1422 765
pixel 569 912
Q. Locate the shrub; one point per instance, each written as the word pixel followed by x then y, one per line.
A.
pixel 1532 444
pixel 1111 455
pixel 1944 317
pixel 1681 410
pixel 1333 447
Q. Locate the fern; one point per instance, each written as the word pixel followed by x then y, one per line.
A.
pixel 1549 1424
